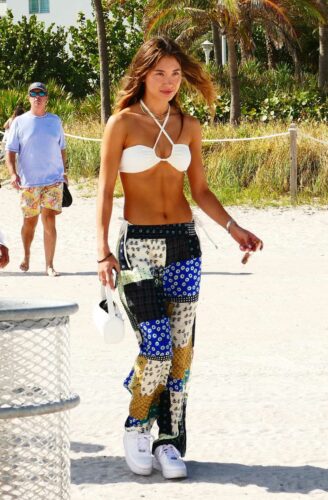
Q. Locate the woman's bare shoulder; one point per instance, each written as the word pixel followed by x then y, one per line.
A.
pixel 191 121
pixel 123 118
pixel 119 122
pixel 192 126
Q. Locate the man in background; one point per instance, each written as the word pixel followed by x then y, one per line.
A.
pixel 36 140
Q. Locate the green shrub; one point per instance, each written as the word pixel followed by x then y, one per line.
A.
pixel 270 95
pixel 254 172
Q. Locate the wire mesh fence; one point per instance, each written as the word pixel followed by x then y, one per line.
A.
pixel 34 394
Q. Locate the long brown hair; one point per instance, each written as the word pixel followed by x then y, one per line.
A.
pixel 149 54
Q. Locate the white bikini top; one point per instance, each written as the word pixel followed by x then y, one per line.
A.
pixel 140 158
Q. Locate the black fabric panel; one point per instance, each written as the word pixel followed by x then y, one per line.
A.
pixel 182 249
pixel 164 424
pixel 145 300
pixel 164 415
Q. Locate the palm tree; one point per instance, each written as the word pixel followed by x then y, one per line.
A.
pixel 194 17
pixel 217 44
pixel 323 56
pixel 103 60
pixel 322 7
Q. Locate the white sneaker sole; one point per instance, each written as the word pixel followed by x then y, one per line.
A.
pixel 137 469
pixel 169 474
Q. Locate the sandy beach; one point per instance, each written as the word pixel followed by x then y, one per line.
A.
pixel 258 403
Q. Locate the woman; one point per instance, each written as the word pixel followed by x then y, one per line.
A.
pixel 152 144
pixel 19 110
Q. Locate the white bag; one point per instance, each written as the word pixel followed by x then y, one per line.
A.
pixel 108 318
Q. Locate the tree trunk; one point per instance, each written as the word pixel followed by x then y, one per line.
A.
pixel 269 50
pixel 103 60
pixel 217 44
pixel 297 64
pixel 245 52
pixel 234 80
pixel 323 57
pixel 246 41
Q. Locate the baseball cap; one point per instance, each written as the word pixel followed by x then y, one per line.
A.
pixel 37 85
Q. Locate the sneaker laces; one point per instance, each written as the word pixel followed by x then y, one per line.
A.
pixel 143 442
pixel 170 452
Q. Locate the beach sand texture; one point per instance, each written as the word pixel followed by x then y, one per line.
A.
pixel 258 403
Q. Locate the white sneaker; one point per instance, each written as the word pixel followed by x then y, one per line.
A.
pixel 137 451
pixel 168 460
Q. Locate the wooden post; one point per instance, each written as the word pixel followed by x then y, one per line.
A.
pixel 293 162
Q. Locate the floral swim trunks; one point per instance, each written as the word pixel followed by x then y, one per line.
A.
pixel 32 199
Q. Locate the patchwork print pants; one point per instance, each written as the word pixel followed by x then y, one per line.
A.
pixel 159 287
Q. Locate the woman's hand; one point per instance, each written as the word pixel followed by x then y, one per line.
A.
pixel 248 242
pixel 106 271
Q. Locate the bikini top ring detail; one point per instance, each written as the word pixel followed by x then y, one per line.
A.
pixel 139 158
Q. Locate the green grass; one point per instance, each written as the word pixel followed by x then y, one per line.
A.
pixel 244 173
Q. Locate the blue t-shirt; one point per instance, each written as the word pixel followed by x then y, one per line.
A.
pixel 38 141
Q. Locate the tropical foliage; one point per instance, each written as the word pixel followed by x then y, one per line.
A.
pixel 274 67
pixel 30 51
pixel 235 19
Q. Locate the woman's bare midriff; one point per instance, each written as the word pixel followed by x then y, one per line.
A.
pixel 155 197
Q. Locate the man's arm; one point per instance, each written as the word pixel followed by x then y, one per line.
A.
pixel 4 252
pixel 2 238
pixel 4 256
pixel 11 165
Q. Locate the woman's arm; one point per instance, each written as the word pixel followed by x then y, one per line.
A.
pixel 207 201
pixel 111 152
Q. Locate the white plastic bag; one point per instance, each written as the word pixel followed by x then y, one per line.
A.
pixel 108 318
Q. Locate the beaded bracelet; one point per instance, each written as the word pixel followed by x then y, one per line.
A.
pixel 105 258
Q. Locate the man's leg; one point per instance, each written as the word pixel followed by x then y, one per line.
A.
pixel 51 203
pixel 49 239
pixel 30 205
pixel 27 232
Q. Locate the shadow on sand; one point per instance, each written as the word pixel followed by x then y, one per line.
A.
pixel 86 447
pixel 21 274
pixel 217 273
pixel 274 479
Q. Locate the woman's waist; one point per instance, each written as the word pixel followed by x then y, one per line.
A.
pixel 157 214
pixel 174 230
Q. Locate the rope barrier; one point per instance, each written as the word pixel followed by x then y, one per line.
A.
pixel 213 141
pixel 309 137
pixel 237 139
pixel 292 132
pixel 83 138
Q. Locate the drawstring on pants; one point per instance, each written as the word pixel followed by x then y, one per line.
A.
pixel 124 233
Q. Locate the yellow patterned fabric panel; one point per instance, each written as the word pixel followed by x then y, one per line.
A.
pixel 182 357
pixel 146 386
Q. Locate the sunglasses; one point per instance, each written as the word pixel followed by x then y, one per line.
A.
pixel 35 94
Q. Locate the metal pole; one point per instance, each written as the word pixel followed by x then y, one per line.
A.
pixel 293 162
pixel 224 49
